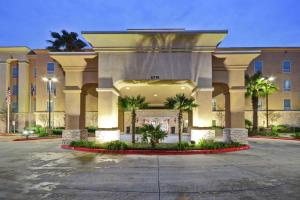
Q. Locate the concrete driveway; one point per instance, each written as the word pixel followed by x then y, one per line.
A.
pixel 41 170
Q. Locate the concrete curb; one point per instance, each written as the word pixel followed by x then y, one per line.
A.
pixel 30 139
pixel 157 152
pixel 273 138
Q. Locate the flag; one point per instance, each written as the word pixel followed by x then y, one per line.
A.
pixel 8 96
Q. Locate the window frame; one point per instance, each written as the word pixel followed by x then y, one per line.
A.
pixel 282 66
pixel 15 90
pixel 286 89
pixel 15 69
pixel 254 66
pixel 54 67
pixel 290 104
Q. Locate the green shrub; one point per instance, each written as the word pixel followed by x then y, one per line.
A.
pixel 183 145
pixel 269 134
pixel 116 145
pixel 91 129
pixel 296 136
pixel 43 134
pixel 85 143
pixel 248 124
pixel 281 129
pixel 57 131
pixel 211 144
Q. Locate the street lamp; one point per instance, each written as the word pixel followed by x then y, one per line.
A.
pixel 49 81
pixel 270 79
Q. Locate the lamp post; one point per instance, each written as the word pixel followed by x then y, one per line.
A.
pixel 49 81
pixel 271 78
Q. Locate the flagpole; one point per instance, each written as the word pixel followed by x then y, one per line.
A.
pixel 8 116
pixel 8 101
pixel 30 107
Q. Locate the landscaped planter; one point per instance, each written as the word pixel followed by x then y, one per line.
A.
pixel 157 152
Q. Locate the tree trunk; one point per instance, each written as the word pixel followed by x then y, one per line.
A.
pixel 133 119
pixel 255 117
pixel 179 125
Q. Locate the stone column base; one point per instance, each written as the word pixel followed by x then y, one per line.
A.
pixel 235 135
pixel 199 134
pixel 107 135
pixel 74 135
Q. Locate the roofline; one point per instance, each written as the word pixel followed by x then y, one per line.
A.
pixel 237 51
pixel 155 31
pixel 72 53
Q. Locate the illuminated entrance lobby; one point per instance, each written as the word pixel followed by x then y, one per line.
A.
pixel 156 64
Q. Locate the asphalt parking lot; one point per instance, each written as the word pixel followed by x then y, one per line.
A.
pixel 42 170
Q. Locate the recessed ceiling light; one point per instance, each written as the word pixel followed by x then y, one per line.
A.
pixel 182 87
pixel 155 95
pixel 127 88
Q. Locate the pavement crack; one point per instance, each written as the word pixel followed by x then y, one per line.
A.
pixel 158 179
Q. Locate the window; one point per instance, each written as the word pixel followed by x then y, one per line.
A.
pixel 14 107
pixel 50 106
pixel 286 66
pixel 53 88
pixel 287 104
pixel 214 104
pixel 51 68
pixel 287 85
pixel 15 72
pixel 258 65
pixel 15 90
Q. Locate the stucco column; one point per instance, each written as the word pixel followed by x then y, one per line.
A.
pixel 74 63
pixel 235 108
pixel 107 115
pixel 23 94
pixel 4 80
pixel 73 109
pixel 202 115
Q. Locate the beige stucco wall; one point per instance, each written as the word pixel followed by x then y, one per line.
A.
pixel 272 66
pixel 168 66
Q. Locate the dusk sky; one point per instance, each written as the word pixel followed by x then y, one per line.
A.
pixel 249 22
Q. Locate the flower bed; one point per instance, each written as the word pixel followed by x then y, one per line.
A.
pixel 117 147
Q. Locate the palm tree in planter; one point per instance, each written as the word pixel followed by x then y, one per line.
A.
pixel 257 86
pixel 131 103
pixel 183 104
pixel 66 41
pixel 152 133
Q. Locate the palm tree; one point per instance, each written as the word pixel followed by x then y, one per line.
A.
pixel 257 86
pixel 269 88
pixel 132 104
pixel 66 41
pixel 183 104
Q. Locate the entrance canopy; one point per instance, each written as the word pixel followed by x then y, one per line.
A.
pixel 152 39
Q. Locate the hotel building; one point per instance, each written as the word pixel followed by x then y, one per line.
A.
pixel 153 63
